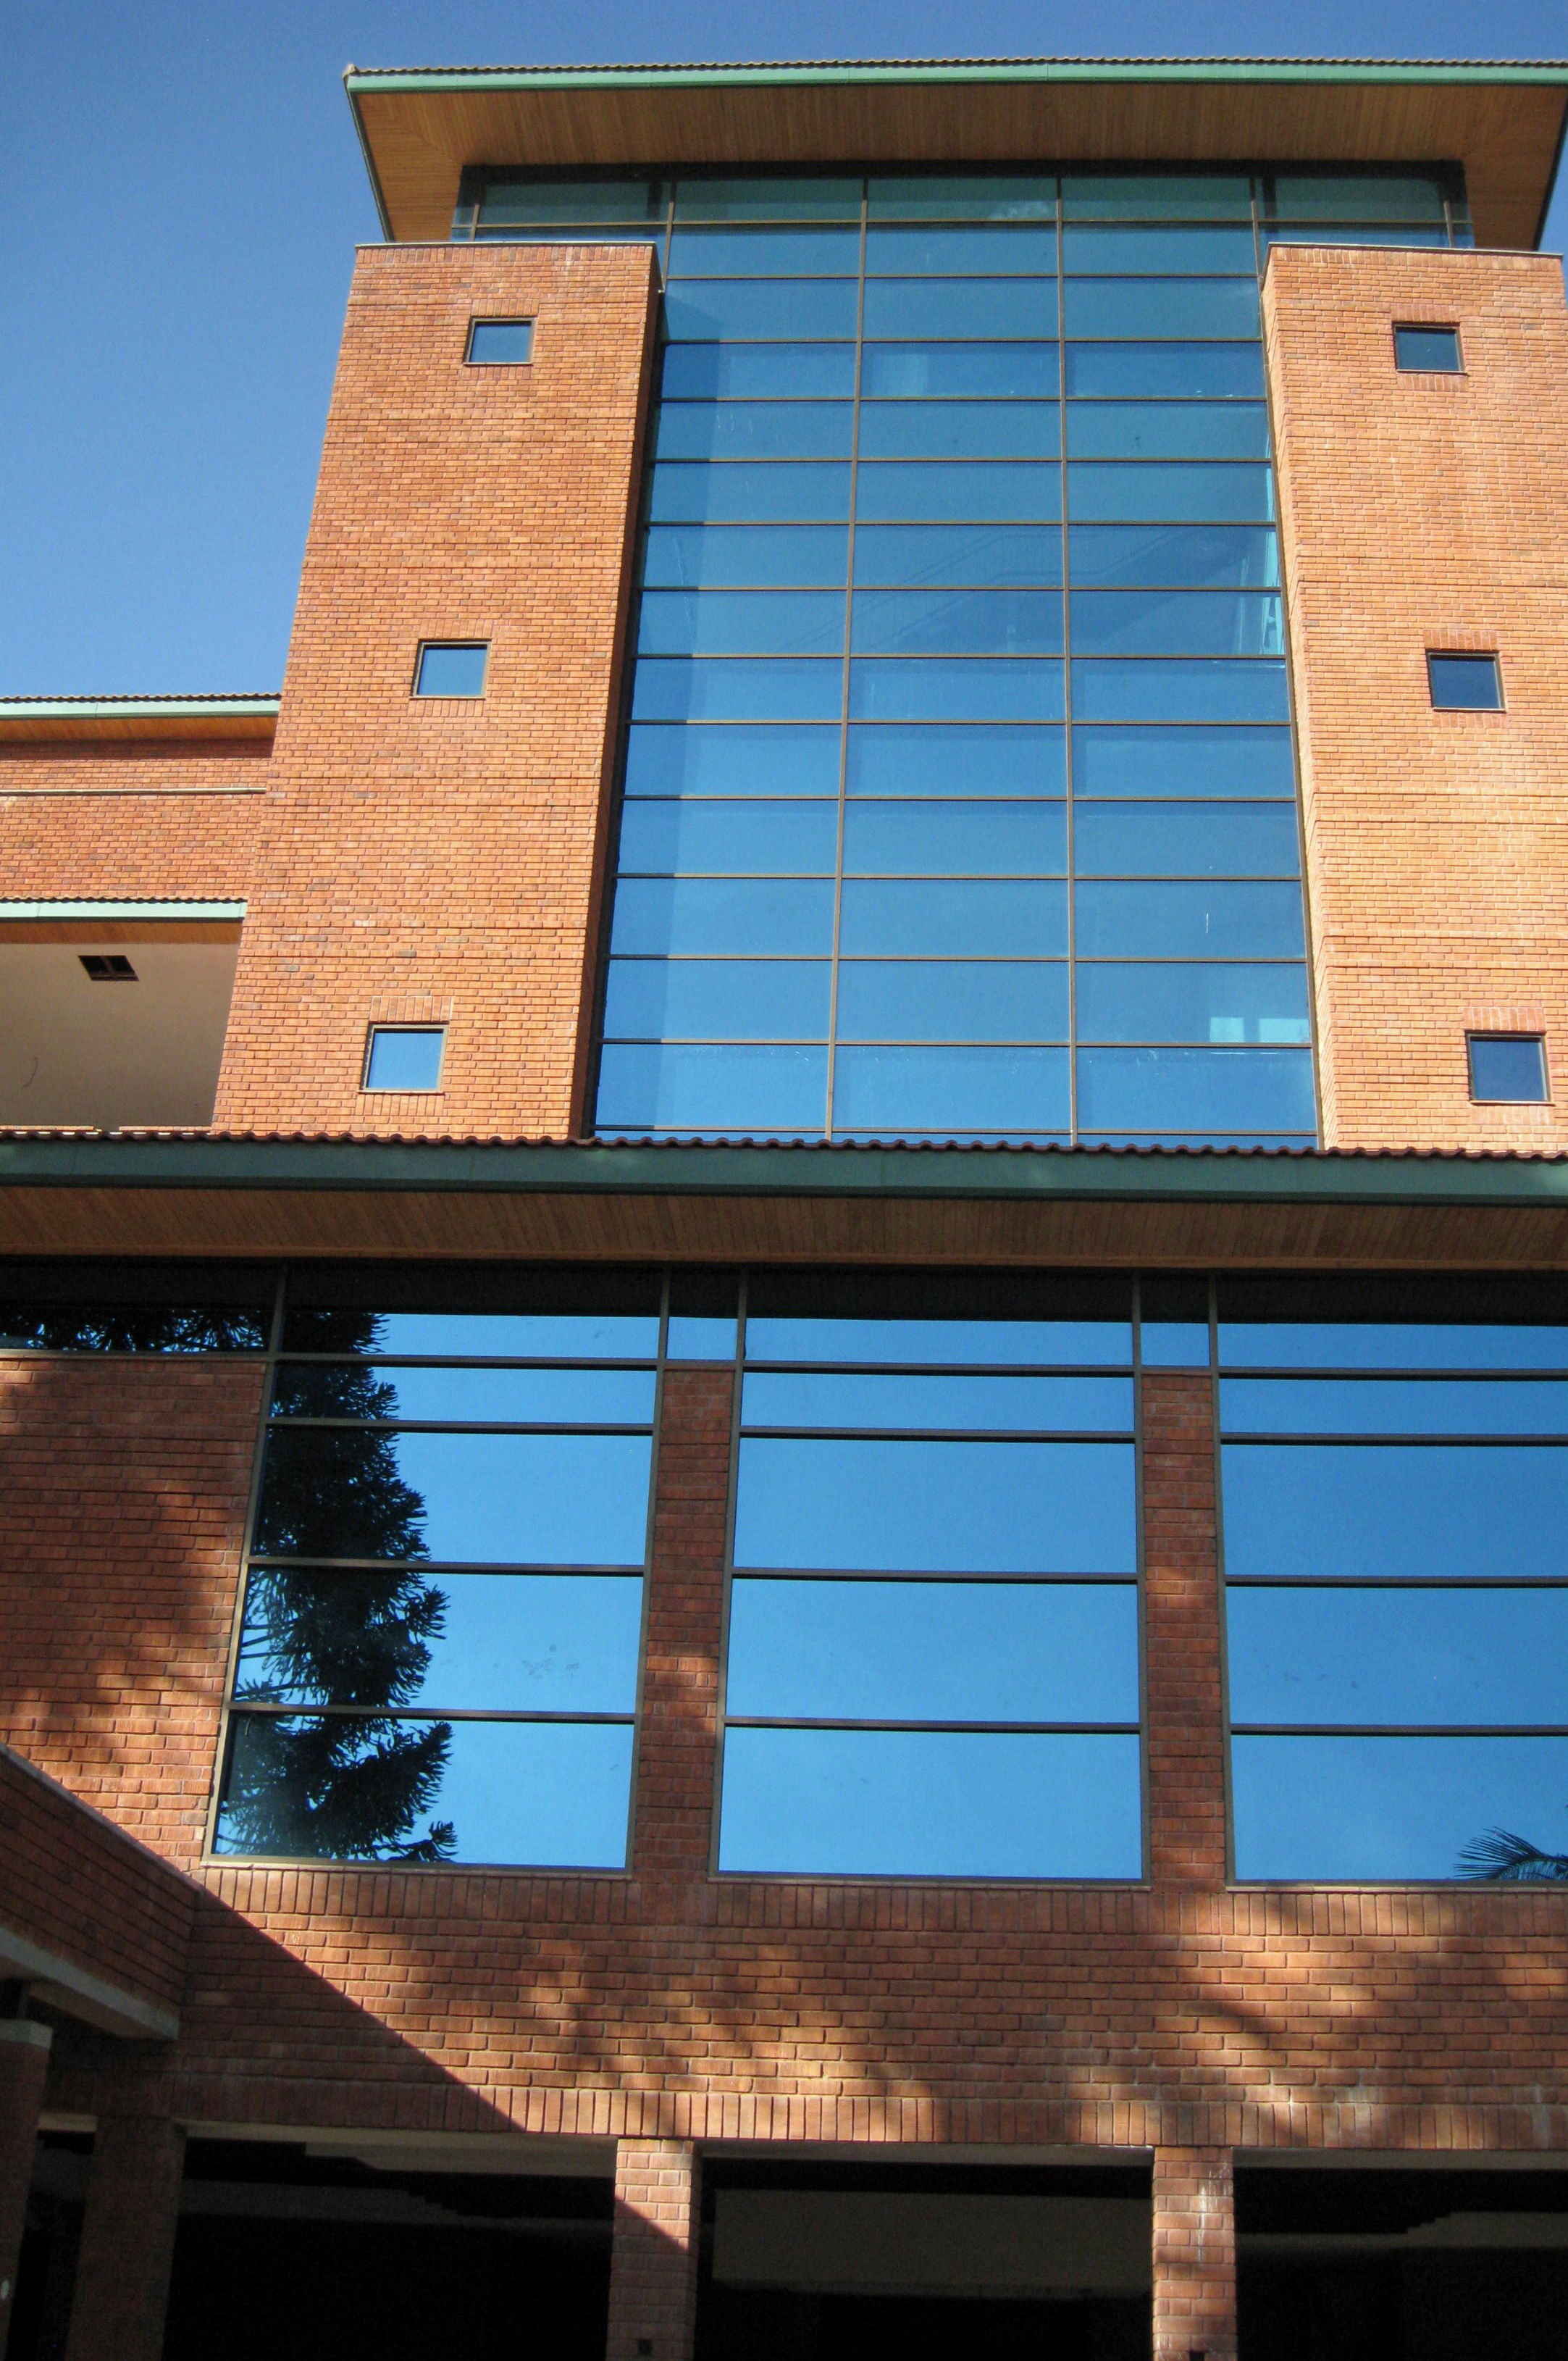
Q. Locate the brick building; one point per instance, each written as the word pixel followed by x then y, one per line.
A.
pixel 783 1355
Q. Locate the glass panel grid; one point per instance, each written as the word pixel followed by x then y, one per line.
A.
pixel 1394 1491
pixel 439 1646
pixel 932 1661
pixel 961 488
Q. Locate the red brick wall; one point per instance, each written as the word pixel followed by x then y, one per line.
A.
pixel 1418 512
pixel 440 861
pixel 125 1485
pixel 117 821
pixel 654 2259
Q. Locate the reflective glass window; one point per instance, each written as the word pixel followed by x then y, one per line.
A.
pixel 1464 683
pixel 1434 350
pixel 1508 1067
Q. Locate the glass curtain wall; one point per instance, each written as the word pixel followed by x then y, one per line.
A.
pixel 1395 1480
pixel 438 1658
pixel 958 792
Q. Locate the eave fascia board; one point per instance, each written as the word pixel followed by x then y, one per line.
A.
pixel 396 80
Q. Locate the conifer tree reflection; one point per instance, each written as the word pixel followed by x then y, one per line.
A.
pixel 347 1785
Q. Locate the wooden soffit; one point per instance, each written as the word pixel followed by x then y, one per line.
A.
pixel 1503 123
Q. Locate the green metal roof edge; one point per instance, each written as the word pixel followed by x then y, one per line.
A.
pixel 352 81
pixel 134 708
pixel 698 1169
pixel 1042 70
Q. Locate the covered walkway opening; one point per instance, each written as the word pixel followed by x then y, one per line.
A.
pixel 1379 2262
pixel 813 2259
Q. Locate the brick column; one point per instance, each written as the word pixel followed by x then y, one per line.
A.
pixel 686 1607
pixel 1181 1594
pixel 127 2241
pixel 1194 2255
pixel 652 2270
pixel 23 2063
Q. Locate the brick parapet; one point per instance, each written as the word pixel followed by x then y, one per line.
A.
pixel 443 859
pixel 1424 512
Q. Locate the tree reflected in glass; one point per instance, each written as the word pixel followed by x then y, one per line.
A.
pixel 345 1785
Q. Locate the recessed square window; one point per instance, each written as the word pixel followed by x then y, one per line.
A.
pixel 1464 683
pixel 108 967
pixel 1434 349
pixel 451 668
pixel 500 343
pixel 1507 1068
pixel 404 1058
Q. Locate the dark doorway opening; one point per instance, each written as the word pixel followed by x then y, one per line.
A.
pixel 809 2260
pixel 1340 2263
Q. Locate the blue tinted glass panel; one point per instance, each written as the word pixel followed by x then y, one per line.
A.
pixel 718 1000
pixel 930 1401
pixel 771 310
pixel 1432 349
pixel 945 1091
pixel 961 1508
pixel 694 915
pixel 1348 1809
pixel 571 202
pixel 914 918
pixel 1224 493
pixel 504 1644
pixel 987 761
pixel 1191 372
pixel 1099 1344
pixel 1401 1513
pixel 1218 556
pixel 959 430
pixel 1161 307
pixel 957 622
pixel 596 1336
pixel 978 557
pixel 546 1794
pixel 977 489
pixel 701 1336
pixel 708 839
pixel 1161 1001
pixel 404 1058
pixel 733 689
pixel 953 1000
pixel 744 491
pixel 763 252
pixel 665 761
pixel 1167 430
pixel 677 556
pixel 745 622
pixel 966 308
pixel 1383 1344
pixel 932 373
pixel 957 196
pixel 1361 1405
pixel 1164 252
pixel 1508 1067
pixel 1358 234
pixel 503 344
pixel 1228 839
pixel 675 1087
pixel 444 1394
pixel 452 668
pixel 1464 683
pixel 1342 197
pixel 1172 690
pixel 546 1499
pixel 1157 196
pixel 932 838
pixel 1416 1657
pixel 754 198
pixel 754 430
pixel 1190 921
pixel 928 1803
pixel 1178 624
pixel 914 250
pixel 1183 1090
pixel 758 372
pixel 1173 1344
pixel 1191 762
pixel 973 688
pixel 933 1651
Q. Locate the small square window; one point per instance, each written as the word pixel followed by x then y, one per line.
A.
pixel 1435 350
pixel 108 967
pixel 1507 1068
pixel 404 1058
pixel 1464 683
pixel 500 343
pixel 451 668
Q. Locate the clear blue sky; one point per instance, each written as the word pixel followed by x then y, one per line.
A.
pixel 180 191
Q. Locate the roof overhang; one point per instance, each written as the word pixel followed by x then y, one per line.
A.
pixel 68 720
pixel 201 1194
pixel 1503 122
